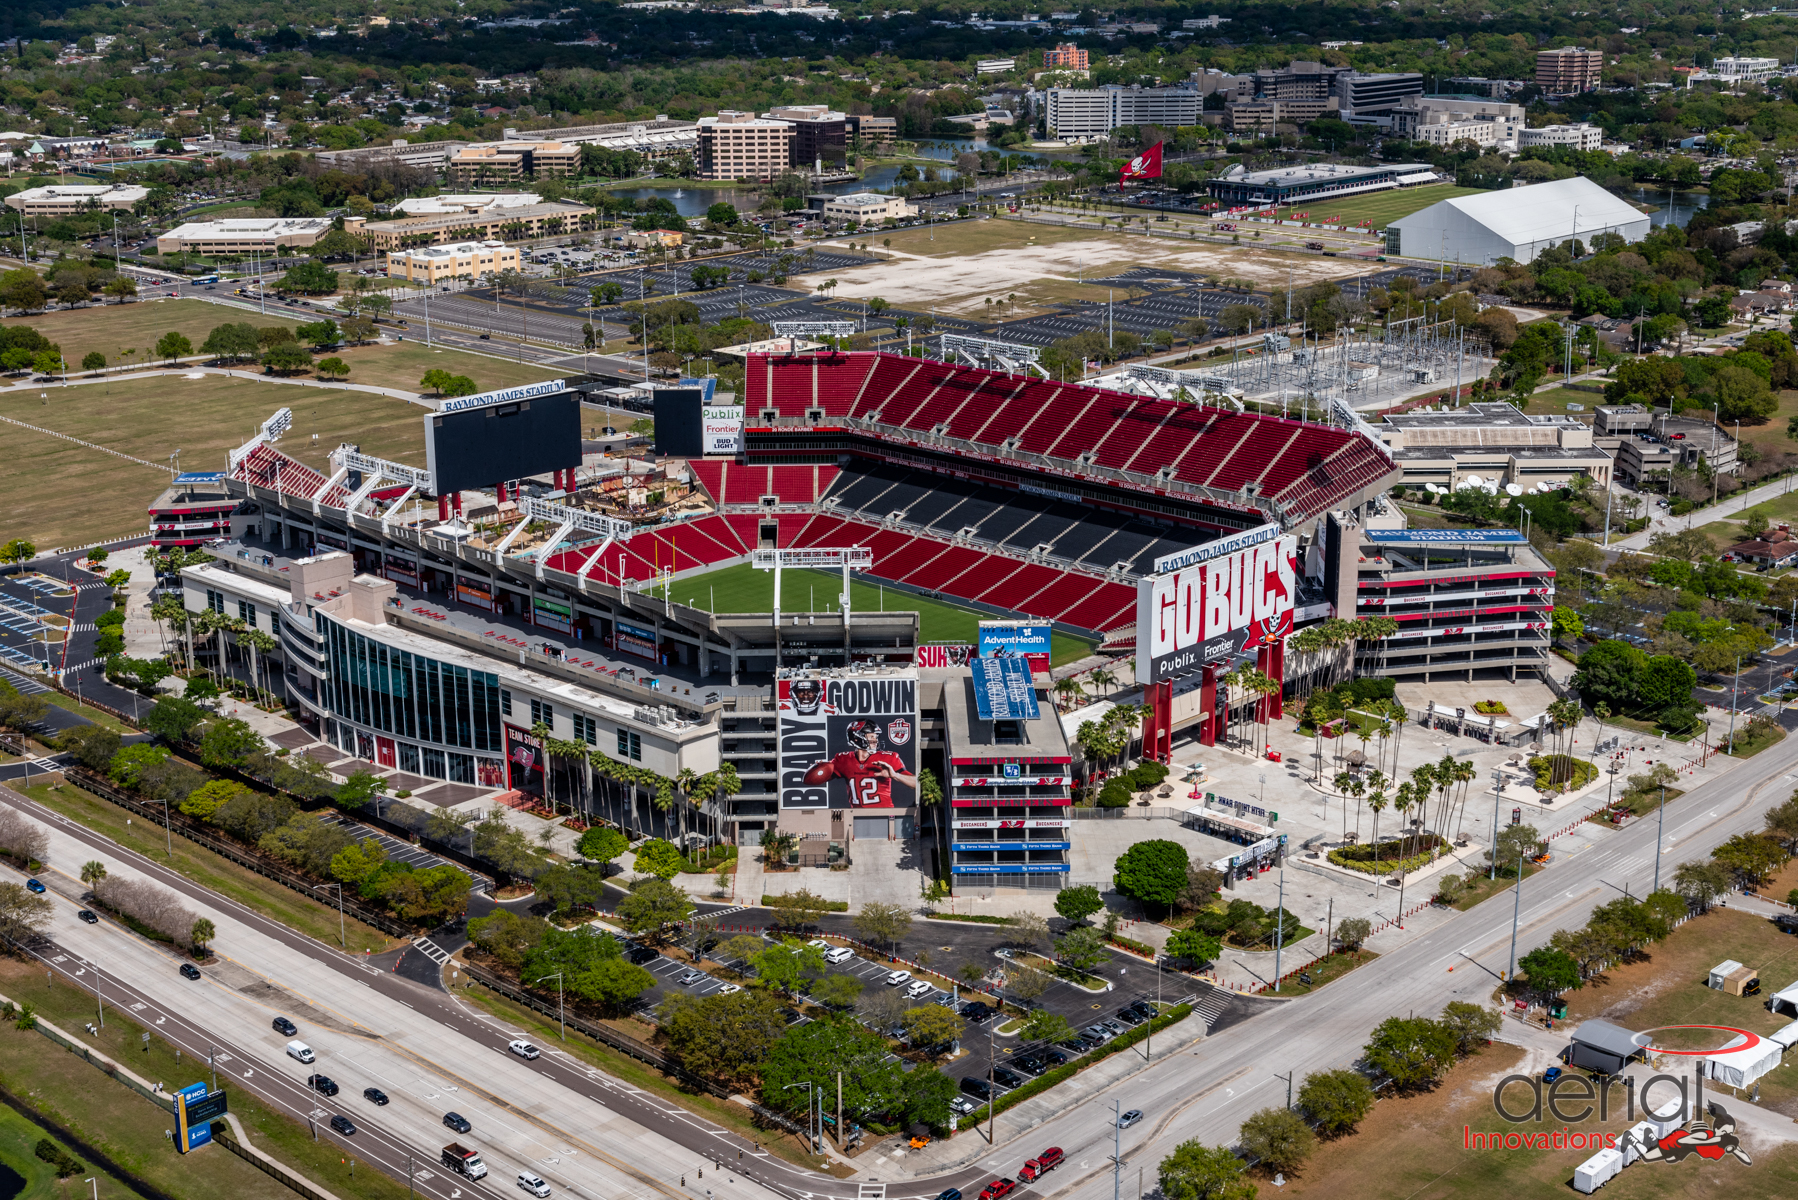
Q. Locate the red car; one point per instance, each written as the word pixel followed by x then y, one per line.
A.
pixel 998 1188
pixel 1041 1165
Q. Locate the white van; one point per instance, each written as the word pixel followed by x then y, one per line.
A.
pixel 301 1052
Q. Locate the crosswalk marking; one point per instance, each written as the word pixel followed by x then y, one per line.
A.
pixel 432 950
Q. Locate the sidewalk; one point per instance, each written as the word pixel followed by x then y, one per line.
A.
pixel 191 368
pixel 1723 509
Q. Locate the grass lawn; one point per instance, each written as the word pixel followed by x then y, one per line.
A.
pixel 620 1066
pixel 1639 805
pixel 1479 887
pixel 1381 207
pixel 1324 970
pixel 1414 1148
pixel 303 914
pixel 18 1143
pixel 128 1127
pixel 742 588
pixel 114 328
pixel 1747 745
pixel 1556 401
pixel 1668 988
pixel 57 493
pixel 401 366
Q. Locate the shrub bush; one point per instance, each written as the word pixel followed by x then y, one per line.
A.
pixel 1555 770
pixel 1115 794
pixel 1360 858
pixel 65 1163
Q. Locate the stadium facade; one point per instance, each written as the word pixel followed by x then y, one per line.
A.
pixel 413 639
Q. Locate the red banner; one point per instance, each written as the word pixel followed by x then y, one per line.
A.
pixel 1146 165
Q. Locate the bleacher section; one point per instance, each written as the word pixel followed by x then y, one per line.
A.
pixel 729 482
pixel 1307 467
pixel 267 467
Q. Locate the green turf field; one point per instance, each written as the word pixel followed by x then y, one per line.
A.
pixel 1382 208
pixel 742 588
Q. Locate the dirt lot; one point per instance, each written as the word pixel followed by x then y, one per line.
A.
pixel 1413 1148
pixel 970 262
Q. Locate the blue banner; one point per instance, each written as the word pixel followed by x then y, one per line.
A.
pixel 1010 869
pixel 1002 690
pixel 961 847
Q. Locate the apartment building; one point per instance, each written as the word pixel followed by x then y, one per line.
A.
pixel 1579 137
pixel 444 222
pixel 1066 57
pixel 741 145
pixel 59 200
pixel 1444 120
pixel 1568 70
pixel 1095 112
pixel 509 162
pixel 463 260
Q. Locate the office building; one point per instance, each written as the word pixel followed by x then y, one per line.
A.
pixel 1576 137
pixel 1491 443
pixel 863 207
pixel 873 131
pixel 61 200
pixel 1065 57
pixel 1568 70
pixel 243 235
pixel 617 135
pixel 1095 112
pixel 1516 223
pixel 450 222
pixel 820 136
pixel 1444 120
pixel 463 260
pixel 1682 442
pixel 1372 98
pixel 1264 117
pixel 1744 70
pixel 508 162
pixel 425 155
pixel 741 145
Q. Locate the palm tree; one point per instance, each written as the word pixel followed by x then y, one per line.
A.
pixel 1423 778
pixel 1464 775
pixel 1102 678
pixel 684 779
pixel 259 643
pixel 1065 691
pixel 1377 802
pixel 1344 783
pixel 1448 773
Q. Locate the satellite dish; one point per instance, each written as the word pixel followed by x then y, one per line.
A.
pixel 1473 481
pixel 1431 488
pixel 1512 489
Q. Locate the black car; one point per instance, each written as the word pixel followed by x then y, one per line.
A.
pixel 89 917
pixel 976 1087
pixel 189 971
pixel 641 955
pixel 374 1095
pixel 1029 1065
pixel 1128 1017
pixel 1052 1058
pixel 1143 1009
pixel 322 1084
pixel 1006 1078
pixel 457 1122
pixel 284 1026
pixel 974 1012
pixel 342 1124
pixel 1074 1045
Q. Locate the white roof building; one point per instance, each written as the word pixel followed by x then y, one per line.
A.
pixel 75 197
pixel 1514 223
pixel 465 202
pixel 239 235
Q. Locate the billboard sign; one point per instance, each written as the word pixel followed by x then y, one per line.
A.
pixel 510 434
pixel 550 615
pixel 525 391
pixel 195 1110
pixel 1002 690
pixel 524 762
pixel 1181 559
pixel 721 429
pixel 1220 608
pixel 944 654
pixel 848 741
pixel 637 641
pixel 1024 639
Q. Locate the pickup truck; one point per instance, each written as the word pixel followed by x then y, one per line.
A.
pixel 463 1161
pixel 1314 245
pixel 1035 1168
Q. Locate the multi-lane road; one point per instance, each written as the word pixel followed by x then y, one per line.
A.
pixel 595 1136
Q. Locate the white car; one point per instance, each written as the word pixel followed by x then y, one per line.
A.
pixel 533 1184
pixel 818 944
pixel 918 988
pixel 729 989
pixel 523 1049
pixel 895 978
pixel 838 954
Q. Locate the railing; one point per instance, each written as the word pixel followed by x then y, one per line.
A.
pixel 1117 814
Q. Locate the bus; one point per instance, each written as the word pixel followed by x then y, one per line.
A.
pixel 205 279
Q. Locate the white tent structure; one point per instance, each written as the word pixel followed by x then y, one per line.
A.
pixel 1784 1002
pixel 1516 223
pixel 1739 1068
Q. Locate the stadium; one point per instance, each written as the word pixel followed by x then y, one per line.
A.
pixel 621 604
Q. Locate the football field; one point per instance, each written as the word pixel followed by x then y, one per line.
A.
pixel 742 588
pixel 1382 208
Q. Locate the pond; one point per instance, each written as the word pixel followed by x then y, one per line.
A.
pixel 11 1183
pixel 1674 207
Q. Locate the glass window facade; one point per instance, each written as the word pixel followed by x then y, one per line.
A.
pixel 408 695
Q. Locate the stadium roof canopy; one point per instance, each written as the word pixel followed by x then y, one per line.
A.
pixel 1514 223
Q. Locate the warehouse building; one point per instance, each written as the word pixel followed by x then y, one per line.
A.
pixel 1517 223
pixel 1492 442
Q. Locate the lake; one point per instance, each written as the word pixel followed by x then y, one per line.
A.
pixel 1676 208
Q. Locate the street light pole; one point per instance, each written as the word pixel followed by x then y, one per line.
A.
pixel 561 1013
pixel 1279 928
pixel 1659 827
pixel 1498 788
pixel 1516 915
pixel 342 934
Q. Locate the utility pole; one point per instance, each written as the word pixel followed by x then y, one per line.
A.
pixel 342 933
pixel 1117 1151
pixel 561 1013
pixel 1279 928
pixel 1516 915
pixel 1660 826
pixel 1498 789
pixel 1288 1078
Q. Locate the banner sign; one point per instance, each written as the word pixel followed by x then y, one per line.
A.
pixel 522 392
pixel 400 570
pixel 479 597
pixel 848 740
pixel 944 654
pixel 1016 823
pixel 1457 630
pixel 1435 597
pixel 1223 607
pixel 970 781
pixel 1002 690
pixel 195 1110
pixel 549 615
pixel 1010 868
pixel 524 762
pixel 1456 537
pixel 1146 165
pixel 1181 559
pixel 1024 639
pixel 638 642
pixel 721 429
pixel 977 846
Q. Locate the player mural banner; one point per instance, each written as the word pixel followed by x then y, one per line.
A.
pixel 849 741
pixel 1217 609
pixel 524 762
pixel 944 654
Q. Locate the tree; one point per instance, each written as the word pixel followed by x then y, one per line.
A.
pixel 1078 903
pixel 202 932
pixel 507 936
pixel 1337 1100
pixel 887 923
pixel 1750 858
pixel 798 909
pixel 1472 1025
pixel 92 872
pixel 235 342
pixel 1194 946
pixel 652 905
pixel 309 279
pixel 659 858
pixel 836 991
pixel 931 1025
pixel 359 789
pixel 722 1037
pixel 927 1093
pixel 120 288
pixel 172 345
pixel 93 360
pixel 23 914
pixel 331 368
pixel 228 741
pixel 1195 1171
pixel 1202 886
pixel 1028 930
pixel 354 863
pixel 1279 1138
pixel 721 214
pixel 1550 970
pixel 788 965
pixel 1742 394
pixel 816 1050
pixel 286 358
pixel 17 551
pixel 208 798
pixel 1411 1051
pixel 318 334
pixel 1782 823
pixel 460 385
pixel 1239 318
pixel 602 843
pixel 1352 931
pixel 1082 948
pixel 1611 672
pixel 1045 1026
pixel 173 718
pixel 1153 872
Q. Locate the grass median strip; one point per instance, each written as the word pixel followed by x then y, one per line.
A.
pixel 302 914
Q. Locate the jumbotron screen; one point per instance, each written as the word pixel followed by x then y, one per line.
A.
pixel 495 437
